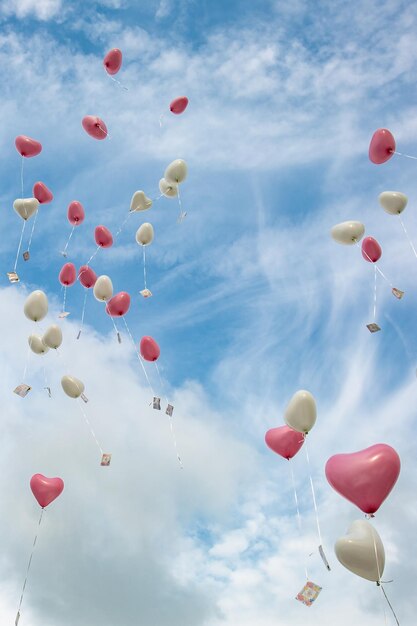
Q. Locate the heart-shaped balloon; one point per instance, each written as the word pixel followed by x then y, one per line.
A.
pixel 145 234
pixel 75 213
pixel 52 337
pixel 140 202
pixel 37 345
pixel 26 207
pixel 68 274
pixel 361 551
pixel 382 146
pixel 113 61
pixel 95 127
pixel 371 250
pixel 301 412
pixel 36 306
pixel 178 105
pixel 149 349
pixel 176 172
pixel 103 288
pixel 284 441
pixel 348 233
pixel 118 305
pixel 393 202
pixel 46 490
pixel 87 276
pixel 170 190
pixel 365 477
pixel 72 386
pixel 103 237
pixel 27 147
pixel 42 193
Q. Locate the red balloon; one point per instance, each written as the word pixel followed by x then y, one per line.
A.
pixel 87 276
pixel 118 305
pixel 149 349
pixel 179 105
pixel 103 237
pixel 95 127
pixel 382 146
pixel 42 194
pixel 371 250
pixel 75 213
pixel 284 441
pixel 27 146
pixel 366 477
pixel 113 61
pixel 68 274
pixel 46 489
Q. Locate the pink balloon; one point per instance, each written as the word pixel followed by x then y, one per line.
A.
pixel 87 276
pixel 118 305
pixel 68 274
pixel 103 237
pixel 149 349
pixel 95 127
pixel 27 146
pixel 371 250
pixel 75 213
pixel 42 194
pixel 179 105
pixel 113 61
pixel 284 441
pixel 382 146
pixel 46 489
pixel 366 477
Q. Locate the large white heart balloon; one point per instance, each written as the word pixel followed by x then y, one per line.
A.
pixel 145 234
pixel 36 306
pixel 348 233
pixel 393 202
pixel 103 288
pixel 26 207
pixel 72 386
pixel 361 551
pixel 176 172
pixel 36 344
pixel 52 337
pixel 168 189
pixel 140 202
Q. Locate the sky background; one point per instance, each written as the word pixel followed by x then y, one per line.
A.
pixel 252 300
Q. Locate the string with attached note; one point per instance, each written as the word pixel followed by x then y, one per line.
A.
pixel 28 568
pixel 408 237
pixel 139 357
pixel 64 251
pixel 171 424
pixel 299 521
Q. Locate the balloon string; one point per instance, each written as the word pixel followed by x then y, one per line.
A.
pixel 25 369
pixel 171 424
pixel 89 425
pixel 297 507
pixel 123 224
pixel 64 252
pixel 161 117
pixel 313 492
pixel 375 265
pixel 138 355
pixel 92 256
pixel 21 174
pixel 375 294
pixel 28 566
pixel 47 387
pixel 104 131
pixel 119 83
pixel 83 313
pixel 404 155
pixel 65 299
pixel 389 604
pixel 181 214
pixel 115 328
pixel 144 266
pixel 407 235
pixel 33 229
pixel 19 246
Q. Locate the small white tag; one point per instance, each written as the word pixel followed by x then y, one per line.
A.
pixel 22 390
pixel 119 339
pixel 63 314
pixel 323 558
pixel 48 389
pixel 397 293
pixel 105 460
pixel 156 403
pixel 26 255
pixel 13 277
pixel 145 293
pixel 181 217
pixel 373 328
pixel 84 397
pixel 64 253
pixel 308 593
pixel 17 619
pixel 169 410
pixel 79 334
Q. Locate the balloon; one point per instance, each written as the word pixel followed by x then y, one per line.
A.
pixel 52 337
pixel 284 441
pixel 75 213
pixel 140 202
pixel 113 61
pixel 72 386
pixel 87 276
pixel 145 234
pixel 36 344
pixel 365 477
pixel 46 490
pixel 68 274
pixel 361 551
pixel 26 207
pixel 42 193
pixel 301 412
pixel 371 250
pixel 118 305
pixel 95 127
pixel 103 288
pixel 36 306
pixel 393 202
pixel 103 237
pixel 176 172
pixel 149 349
pixel 348 233
pixel 382 146
pixel 170 190
pixel 178 105
pixel 27 146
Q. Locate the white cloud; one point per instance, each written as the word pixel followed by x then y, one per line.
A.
pixel 40 9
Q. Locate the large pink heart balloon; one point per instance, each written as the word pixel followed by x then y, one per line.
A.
pixel 366 477
pixel 284 441
pixel 75 213
pixel 68 274
pixel 382 146
pixel 178 105
pixel 103 237
pixel 46 489
pixel 149 349
pixel 118 305
pixel 371 250
pixel 113 61
pixel 27 146
pixel 87 276
pixel 94 126
pixel 42 194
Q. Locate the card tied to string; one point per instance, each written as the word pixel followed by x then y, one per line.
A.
pixel 308 593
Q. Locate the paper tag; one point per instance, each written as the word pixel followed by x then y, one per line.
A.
pixel 64 253
pixel 84 397
pixel 79 334
pixel 26 255
pixel 170 409
pixel 63 314
pixel 397 293
pixel 119 339
pixel 105 460
pixel 373 328
pixel 145 293
pixel 17 619
pixel 181 217
pixel 308 593
pixel 13 277
pixel 323 558
pixel 48 389
pixel 22 390
pixel 156 403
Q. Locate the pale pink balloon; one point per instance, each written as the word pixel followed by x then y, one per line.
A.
pixel 382 146
pixel 87 276
pixel 179 105
pixel 95 127
pixel 27 147
pixel 46 490
pixel 113 61
pixel 118 305
pixel 103 237
pixel 149 349
pixel 42 194
pixel 366 477
pixel 371 250
pixel 284 441
pixel 75 213
pixel 68 274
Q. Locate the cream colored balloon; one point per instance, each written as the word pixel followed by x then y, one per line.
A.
pixel 103 288
pixel 36 344
pixel 301 412
pixel 393 202
pixel 53 337
pixel 176 172
pixel 170 190
pixel 36 306
pixel 145 234
pixel 348 233
pixel 361 551
pixel 26 207
pixel 72 386
pixel 140 202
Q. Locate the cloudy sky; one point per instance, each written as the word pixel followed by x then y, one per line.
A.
pixel 252 300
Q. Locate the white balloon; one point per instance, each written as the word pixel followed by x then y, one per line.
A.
pixel 103 288
pixel 348 233
pixel 140 202
pixel 301 412
pixel 26 207
pixel 53 337
pixel 393 202
pixel 36 306
pixel 170 190
pixel 176 172
pixel 36 344
pixel 356 551
pixel 72 386
pixel 145 234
